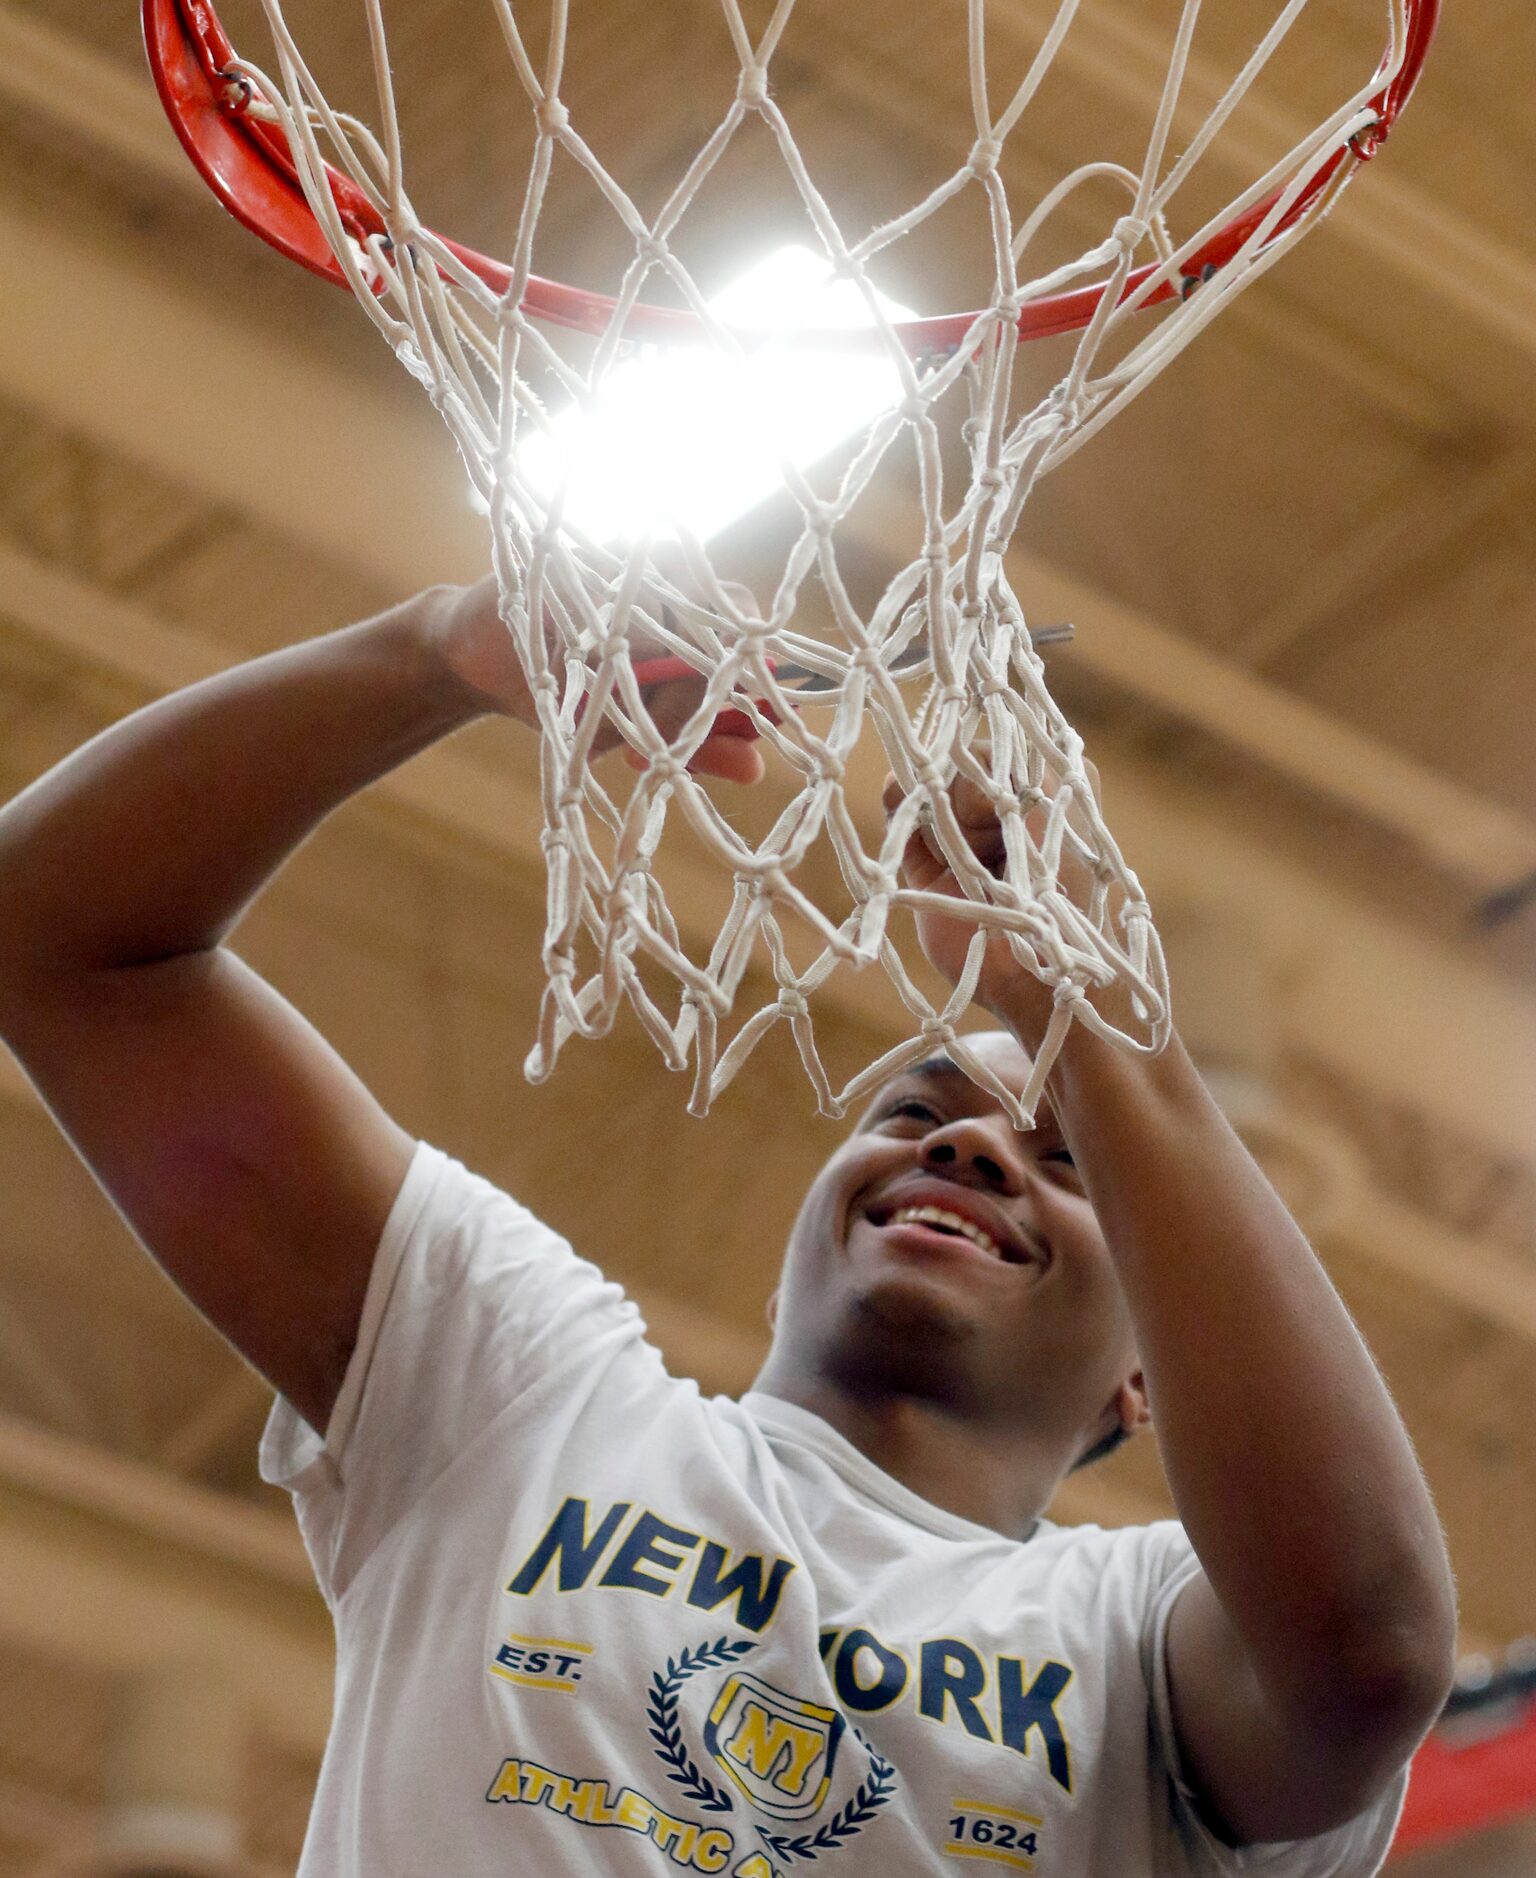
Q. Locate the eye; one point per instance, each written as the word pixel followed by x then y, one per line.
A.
pixel 910 1108
pixel 1063 1166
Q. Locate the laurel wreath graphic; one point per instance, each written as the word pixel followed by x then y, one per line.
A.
pixel 665 1731
pixel 852 1819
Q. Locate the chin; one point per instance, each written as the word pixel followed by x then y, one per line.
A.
pixel 905 1334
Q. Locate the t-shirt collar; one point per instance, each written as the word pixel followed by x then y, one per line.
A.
pixel 789 1421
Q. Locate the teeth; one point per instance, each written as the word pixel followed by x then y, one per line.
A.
pixel 937 1216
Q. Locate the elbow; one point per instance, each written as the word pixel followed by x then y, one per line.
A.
pixel 1406 1698
pixel 1395 1676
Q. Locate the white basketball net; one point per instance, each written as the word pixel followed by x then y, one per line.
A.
pixel 581 609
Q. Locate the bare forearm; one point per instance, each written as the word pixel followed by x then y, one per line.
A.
pixel 151 840
pixel 1291 1470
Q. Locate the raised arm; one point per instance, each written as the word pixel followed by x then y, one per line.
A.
pixel 248 1159
pixel 1315 1649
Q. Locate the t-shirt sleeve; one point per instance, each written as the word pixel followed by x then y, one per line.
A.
pixel 1353 1850
pixel 474 1310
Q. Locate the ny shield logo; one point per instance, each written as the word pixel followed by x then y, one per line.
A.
pixel 779 1751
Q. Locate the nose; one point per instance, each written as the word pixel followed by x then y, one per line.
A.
pixel 970 1149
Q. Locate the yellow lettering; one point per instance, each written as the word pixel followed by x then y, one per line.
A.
pixel 537 1783
pixel 601 1813
pixel 591 1803
pixel 712 1851
pixel 506 1785
pixel 566 1794
pixel 635 1812
pixel 775 1749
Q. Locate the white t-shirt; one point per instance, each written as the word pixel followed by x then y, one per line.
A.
pixel 591 1622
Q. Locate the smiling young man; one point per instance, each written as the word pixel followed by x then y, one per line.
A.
pixel 590 1622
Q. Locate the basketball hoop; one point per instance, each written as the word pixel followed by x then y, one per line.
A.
pixel 940 664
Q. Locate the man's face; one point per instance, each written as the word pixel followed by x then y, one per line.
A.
pixel 944 1255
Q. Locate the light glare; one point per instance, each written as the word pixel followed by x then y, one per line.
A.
pixel 683 432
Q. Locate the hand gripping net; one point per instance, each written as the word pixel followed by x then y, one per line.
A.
pixel 581 610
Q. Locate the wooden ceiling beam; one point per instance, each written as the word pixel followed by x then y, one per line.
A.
pixel 1385 218
pixel 1417 523
pixel 103 345
pixel 229 1581
pixel 1379 1007
pixel 108 349
pixel 1471 839
pixel 1373 1007
pixel 1388 220
pixel 58 76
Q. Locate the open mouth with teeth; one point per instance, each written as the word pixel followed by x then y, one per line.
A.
pixel 943 1220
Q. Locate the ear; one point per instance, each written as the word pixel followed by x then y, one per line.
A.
pixel 772 1312
pixel 1131 1407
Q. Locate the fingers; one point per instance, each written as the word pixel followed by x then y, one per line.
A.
pixel 670 703
pixel 732 759
pixel 973 807
pixel 924 862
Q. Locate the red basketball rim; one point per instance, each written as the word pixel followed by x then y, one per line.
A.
pixel 247 165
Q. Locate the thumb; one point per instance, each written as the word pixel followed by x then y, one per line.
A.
pixel 922 864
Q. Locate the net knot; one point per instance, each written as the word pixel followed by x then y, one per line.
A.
pixel 752 86
pixel 985 153
pixel 1064 410
pixel 1130 232
pixel 551 117
pixel 1068 991
pixel 793 1004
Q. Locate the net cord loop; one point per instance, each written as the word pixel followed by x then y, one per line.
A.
pixel 580 609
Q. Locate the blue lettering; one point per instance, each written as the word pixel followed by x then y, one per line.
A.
pixel 1020 1710
pixel 940 1685
pixel 567 1540
pixel 755 1601
pixel 643 1546
pixel 889 1683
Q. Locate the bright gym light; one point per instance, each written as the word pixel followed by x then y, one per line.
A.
pixel 682 431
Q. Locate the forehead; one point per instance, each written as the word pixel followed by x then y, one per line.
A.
pixel 1002 1055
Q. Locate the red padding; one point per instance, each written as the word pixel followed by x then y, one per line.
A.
pixel 1460 1789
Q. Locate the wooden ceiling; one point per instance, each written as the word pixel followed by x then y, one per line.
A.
pixel 1301 574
